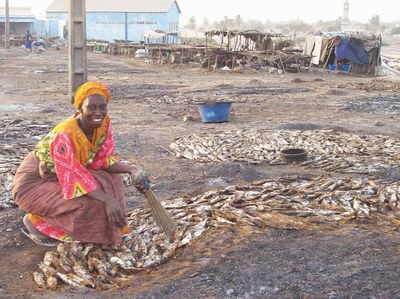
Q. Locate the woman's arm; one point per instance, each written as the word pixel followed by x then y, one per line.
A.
pixel 139 177
pixel 122 168
pixel 115 214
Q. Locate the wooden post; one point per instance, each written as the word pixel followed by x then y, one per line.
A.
pixel 216 63
pixel 377 70
pixel 327 58
pixel 297 65
pixel 7 27
pixel 236 42
pixel 77 64
pixel 229 40
pixel 329 55
pixel 283 67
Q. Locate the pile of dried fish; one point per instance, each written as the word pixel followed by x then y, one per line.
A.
pixel 327 149
pixel 18 138
pixel 323 198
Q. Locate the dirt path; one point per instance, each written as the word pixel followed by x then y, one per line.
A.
pixel 357 259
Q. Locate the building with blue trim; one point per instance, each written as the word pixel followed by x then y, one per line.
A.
pixel 125 20
pixel 21 20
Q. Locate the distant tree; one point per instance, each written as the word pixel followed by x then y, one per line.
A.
pixel 383 28
pixel 226 23
pixel 191 25
pixel 269 25
pixel 318 26
pixel 332 26
pixel 205 25
pixel 374 24
pixel 238 22
pixel 215 25
pixel 253 25
pixel 396 30
pixel 295 26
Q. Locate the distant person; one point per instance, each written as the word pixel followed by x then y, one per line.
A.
pixel 28 41
pixel 341 45
pixel 38 45
pixel 71 184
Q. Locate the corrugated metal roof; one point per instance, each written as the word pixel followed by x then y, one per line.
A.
pixel 116 6
pixel 17 12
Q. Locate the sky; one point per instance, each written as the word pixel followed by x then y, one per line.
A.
pixel 276 11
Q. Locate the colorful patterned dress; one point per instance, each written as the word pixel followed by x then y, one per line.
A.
pixel 68 153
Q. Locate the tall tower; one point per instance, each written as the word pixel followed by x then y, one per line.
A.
pixel 346 7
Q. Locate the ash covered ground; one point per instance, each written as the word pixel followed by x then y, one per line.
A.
pixel 151 106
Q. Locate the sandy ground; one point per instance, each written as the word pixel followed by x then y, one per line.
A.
pixel 150 103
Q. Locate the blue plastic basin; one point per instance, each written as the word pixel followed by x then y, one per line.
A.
pixel 345 67
pixel 215 112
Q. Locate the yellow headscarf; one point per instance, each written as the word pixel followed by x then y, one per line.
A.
pixel 88 89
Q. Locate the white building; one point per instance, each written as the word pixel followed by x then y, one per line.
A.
pixel 119 19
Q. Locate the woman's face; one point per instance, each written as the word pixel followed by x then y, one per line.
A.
pixel 93 111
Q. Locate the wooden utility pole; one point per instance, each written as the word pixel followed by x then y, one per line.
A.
pixel 77 65
pixel 7 27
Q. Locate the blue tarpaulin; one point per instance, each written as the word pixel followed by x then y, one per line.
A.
pixel 341 49
pixel 356 54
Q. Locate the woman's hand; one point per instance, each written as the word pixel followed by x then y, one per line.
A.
pixel 140 180
pixel 139 177
pixel 115 213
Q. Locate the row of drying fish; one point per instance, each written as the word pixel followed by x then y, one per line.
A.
pixel 17 138
pixel 193 100
pixel 23 131
pixel 11 157
pixel 250 94
pixel 327 149
pixel 323 197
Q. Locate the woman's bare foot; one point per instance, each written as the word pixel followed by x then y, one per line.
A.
pixel 32 229
pixel 36 236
